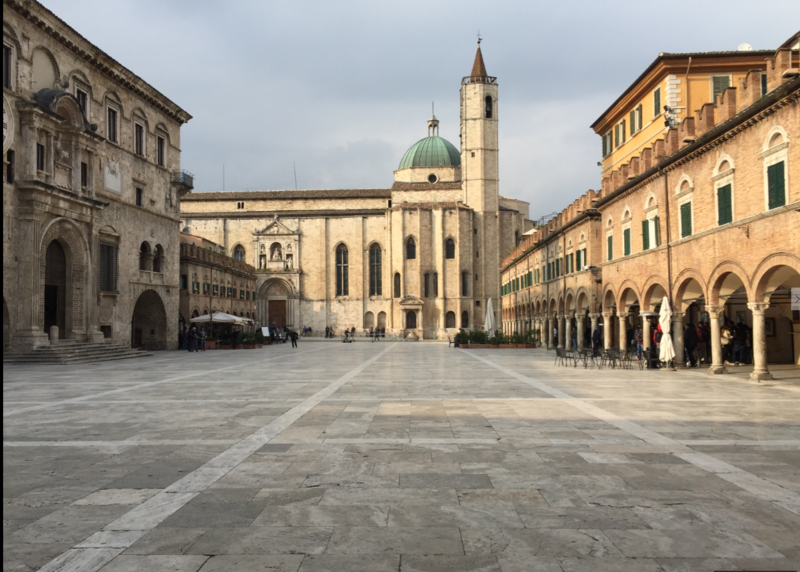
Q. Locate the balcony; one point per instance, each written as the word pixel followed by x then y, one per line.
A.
pixel 184 180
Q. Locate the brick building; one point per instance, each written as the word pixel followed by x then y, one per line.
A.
pixel 92 180
pixel 211 281
pixel 702 209
pixel 420 258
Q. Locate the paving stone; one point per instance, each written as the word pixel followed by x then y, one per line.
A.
pixel 445 563
pixel 395 540
pixel 263 540
pixel 258 563
pixel 333 563
pixel 161 563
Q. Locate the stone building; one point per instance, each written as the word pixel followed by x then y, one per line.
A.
pixel 92 180
pixel 211 281
pixel 420 258
pixel 705 212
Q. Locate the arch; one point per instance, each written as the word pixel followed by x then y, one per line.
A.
pixel 369 320
pixel 68 108
pixel 276 251
pixel 771 141
pixel 149 322
pixel 552 307
pixel 239 253
pixel 488 107
pixel 772 272
pixel 582 300
pixel 397 285
pixel 158 259
pixel 685 183
pixel 342 271
pixel 375 270
pixel 449 249
pixel 609 298
pixel 651 201
pixel 626 213
pixel 195 313
pixel 610 222
pixel 720 165
pixel 55 288
pixel 569 301
pixel 411 320
pixel 411 248
pixel 450 320
pixel 689 286
pixel 628 295
pixel 145 256
pixel 726 278
pixel 464 319
pixel 45 72
pixel 381 319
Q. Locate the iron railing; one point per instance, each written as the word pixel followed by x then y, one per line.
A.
pixel 183 178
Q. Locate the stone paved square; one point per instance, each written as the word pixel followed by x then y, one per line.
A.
pixel 396 456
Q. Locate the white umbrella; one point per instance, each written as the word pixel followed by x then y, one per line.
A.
pixel 220 318
pixel 488 321
pixel 666 351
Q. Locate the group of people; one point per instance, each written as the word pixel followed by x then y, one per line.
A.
pixel 737 343
pixel 191 339
pixel 307 331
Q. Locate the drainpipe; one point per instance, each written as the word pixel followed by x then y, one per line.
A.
pixel 686 82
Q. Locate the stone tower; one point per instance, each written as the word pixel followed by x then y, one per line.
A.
pixel 479 113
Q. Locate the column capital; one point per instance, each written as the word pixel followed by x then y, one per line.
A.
pixel 607 314
pixel 715 311
pixel 758 307
pixel 594 315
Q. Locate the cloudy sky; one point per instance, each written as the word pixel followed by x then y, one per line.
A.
pixel 342 89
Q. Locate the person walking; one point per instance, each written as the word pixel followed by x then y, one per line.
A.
pixel 203 340
pixel 193 339
pixel 596 339
pixel 293 337
pixel 690 343
pixel 185 344
pixel 375 335
pixel 639 337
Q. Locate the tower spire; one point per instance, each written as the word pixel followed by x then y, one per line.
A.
pixel 478 68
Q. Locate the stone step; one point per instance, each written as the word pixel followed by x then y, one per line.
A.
pixel 75 353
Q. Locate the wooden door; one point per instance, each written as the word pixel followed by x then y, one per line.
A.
pixel 277 313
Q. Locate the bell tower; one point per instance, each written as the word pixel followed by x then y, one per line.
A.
pixel 479 113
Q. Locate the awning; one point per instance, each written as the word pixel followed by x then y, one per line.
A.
pixel 221 318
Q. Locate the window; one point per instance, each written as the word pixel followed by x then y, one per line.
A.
pixel 645 234
pixel 608 143
pixel 112 125
pixel 632 121
pixel 427 285
pixel 626 242
pixel 719 83
pixel 158 259
pixel 578 261
pixel 184 281
pixel 763 84
pixel 397 285
pixel 40 155
pixel 449 249
pixel 657 102
pixel 138 139
pixel 639 121
pixel 450 320
pixel 465 319
pixel 411 248
pixel 477 254
pixel 8 63
pixel 83 101
pixel 206 288
pixel 656 231
pixel 585 259
pixel 108 268
pixel 145 257
pixel 724 205
pixel 488 108
pixel 435 284
pixel 375 270
pixel 465 283
pixel 239 253
pixel 776 185
pixel 10 156
pixel 342 279
pixel 610 247
pixel 160 151
pixel 215 290
pixel 686 219
pixel 84 174
pixel 139 197
pixel 432 178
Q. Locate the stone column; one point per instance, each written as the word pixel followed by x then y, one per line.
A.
pixel 760 370
pixel 647 335
pixel 594 318
pixel 581 330
pixel 677 338
pixel 622 333
pixel 717 365
pixel 568 330
pixel 607 317
pixel 560 326
pixel 548 332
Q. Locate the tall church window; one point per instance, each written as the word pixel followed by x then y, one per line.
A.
pixel 375 271
pixel 488 101
pixel 465 319
pixel 465 283
pixel 239 253
pixel 396 284
pixel 427 284
pixel 342 279
pixel 450 248
pixel 411 248
pixel 435 284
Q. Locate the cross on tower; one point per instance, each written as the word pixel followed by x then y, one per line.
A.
pixel 479 37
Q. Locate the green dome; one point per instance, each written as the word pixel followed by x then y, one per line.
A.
pixel 432 151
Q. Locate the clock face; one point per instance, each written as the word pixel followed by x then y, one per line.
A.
pixel 8 124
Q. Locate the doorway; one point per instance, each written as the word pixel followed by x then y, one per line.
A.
pixel 277 313
pixel 55 289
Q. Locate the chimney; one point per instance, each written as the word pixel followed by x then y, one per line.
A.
pixel 726 105
pixel 750 88
pixel 686 132
pixel 705 119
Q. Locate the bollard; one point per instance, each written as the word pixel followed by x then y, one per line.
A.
pixel 53 335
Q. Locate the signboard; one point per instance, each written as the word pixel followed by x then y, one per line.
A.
pixel 112 178
pixel 795 299
pixel 265 331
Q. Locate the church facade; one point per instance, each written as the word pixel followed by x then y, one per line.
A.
pixel 420 259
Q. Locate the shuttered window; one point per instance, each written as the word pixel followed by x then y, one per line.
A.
pixel 626 242
pixel 617 141
pixel 645 234
pixel 657 231
pixel 108 271
pixel 724 206
pixel 776 185
pixel 610 240
pixel 585 258
pixel 622 130
pixel 579 266
pixel 639 121
pixel 686 220
pixel 720 83
pixel 530 278
pixel 632 120
pixel 657 102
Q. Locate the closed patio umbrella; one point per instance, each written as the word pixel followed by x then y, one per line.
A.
pixel 666 351
pixel 488 321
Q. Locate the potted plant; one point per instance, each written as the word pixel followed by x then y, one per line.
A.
pixel 259 339
pixel 478 339
pixel 463 340
pixel 211 343
pixel 494 341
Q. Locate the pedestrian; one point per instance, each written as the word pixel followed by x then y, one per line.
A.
pixel 690 344
pixel 193 339
pixel 375 334
pixel 703 338
pixel 181 337
pixel 293 337
pixel 574 338
pixel 596 338
pixel 639 338
pixel 726 339
pixel 185 344
pixel 203 340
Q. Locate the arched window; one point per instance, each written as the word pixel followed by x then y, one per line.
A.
pixel 450 248
pixel 516 238
pixel 465 319
pixel 465 283
pixel 158 259
pixel 427 284
pixel 396 284
pixel 342 281
pixel 411 248
pixel 488 101
pixel 435 284
pixel 369 320
pixel 145 257
pixel 411 320
pixel 450 320
pixel 239 253
pixel 375 271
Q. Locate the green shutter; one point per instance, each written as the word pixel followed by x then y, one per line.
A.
pixel 604 145
pixel 657 231
pixel 657 102
pixel 633 122
pixel 721 83
pixel 622 130
pixel 616 135
pixel 585 258
pixel 610 248
pixel 776 185
pixel 530 278
pixel 579 267
pixel 645 234
pixel 626 239
pixel 686 219
pixel 724 207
